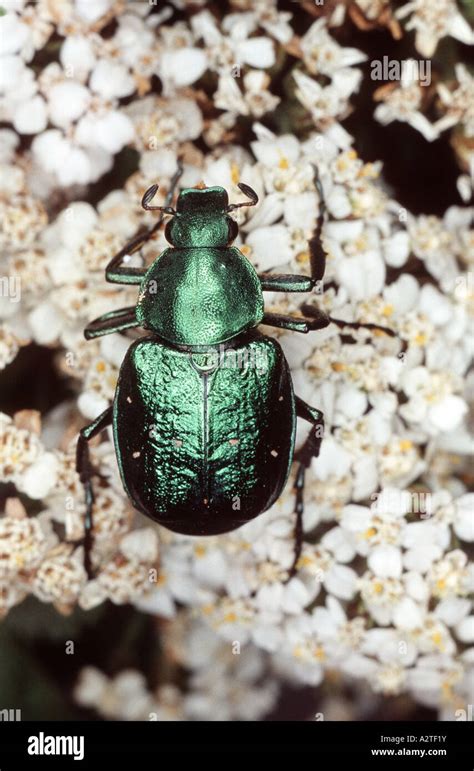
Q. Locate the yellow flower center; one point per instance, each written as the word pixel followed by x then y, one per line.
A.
pixel 370 532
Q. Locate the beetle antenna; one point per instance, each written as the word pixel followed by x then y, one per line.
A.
pixel 149 195
pixel 249 192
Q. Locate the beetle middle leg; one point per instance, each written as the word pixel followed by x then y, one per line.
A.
pixel 113 321
pixel 306 453
pixel 86 471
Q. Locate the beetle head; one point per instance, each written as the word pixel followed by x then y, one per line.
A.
pixel 201 219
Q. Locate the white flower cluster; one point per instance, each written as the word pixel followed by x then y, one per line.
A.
pixel 381 594
pixel 224 684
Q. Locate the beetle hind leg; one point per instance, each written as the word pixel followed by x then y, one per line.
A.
pixel 306 453
pixel 86 471
pixel 322 320
pixel 314 318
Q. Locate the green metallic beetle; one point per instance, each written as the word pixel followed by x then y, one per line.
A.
pixel 204 413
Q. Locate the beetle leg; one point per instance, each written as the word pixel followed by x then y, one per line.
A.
pixel 287 282
pixel 309 450
pixel 275 282
pixel 114 321
pixel 115 272
pixel 296 323
pixel 312 445
pixel 317 253
pixel 86 471
pixel 315 318
pixel 319 316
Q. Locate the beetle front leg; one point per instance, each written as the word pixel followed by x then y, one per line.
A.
pixel 276 282
pixel 115 272
pixel 317 253
pixel 305 454
pixel 86 471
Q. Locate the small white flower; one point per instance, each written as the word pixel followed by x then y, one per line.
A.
pixel 404 103
pixel 326 103
pixel 111 80
pixel 234 48
pixel 431 402
pixel 381 596
pixel 396 249
pixel 31 116
pixel 465 630
pixel 68 163
pixel 433 22
pixel 67 102
pixel 463 524
pixel 259 239
pixel 109 131
pixel 77 56
pixel 458 105
pixel 39 479
pixel 183 67
pixel 13 34
pixel 321 53
pixel 45 323
pixel 389 646
pixel 91 12
pixel 407 614
pixel 379 525
pixel 452 610
pixel 341 581
pixel 433 677
pixel 333 459
pixel 385 561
